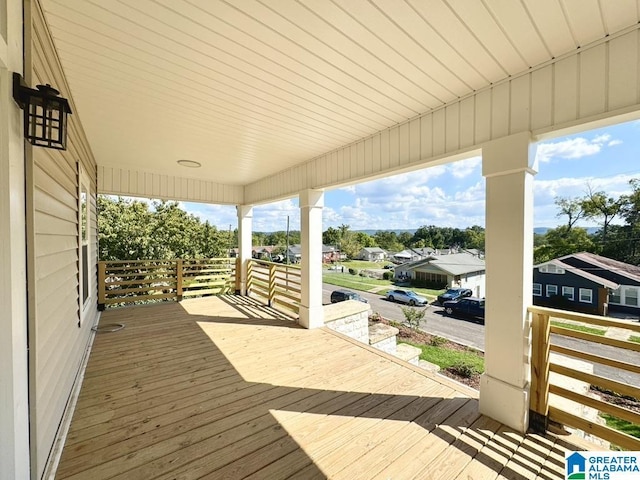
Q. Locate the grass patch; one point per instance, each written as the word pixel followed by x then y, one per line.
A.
pixel 446 358
pixel 579 328
pixel 629 428
pixel 634 338
pixel 356 282
pixel 361 265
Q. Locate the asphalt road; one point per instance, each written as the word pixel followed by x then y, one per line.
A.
pixel 471 333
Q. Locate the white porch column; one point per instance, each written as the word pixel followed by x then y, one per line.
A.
pixel 509 166
pixel 245 220
pixel 14 379
pixel 311 310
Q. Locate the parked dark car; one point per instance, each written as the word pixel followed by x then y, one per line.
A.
pixel 465 307
pixel 454 294
pixel 342 295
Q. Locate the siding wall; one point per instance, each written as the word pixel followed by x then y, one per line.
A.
pixel 598 82
pixel 57 342
pixel 567 279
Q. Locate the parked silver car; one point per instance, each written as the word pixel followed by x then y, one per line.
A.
pixel 406 296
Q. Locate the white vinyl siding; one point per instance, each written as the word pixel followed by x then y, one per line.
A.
pixel 537 289
pixel 568 292
pixel 586 295
pixel 57 343
pixel 552 290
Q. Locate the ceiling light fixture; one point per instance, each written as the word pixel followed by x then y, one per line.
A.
pixel 189 163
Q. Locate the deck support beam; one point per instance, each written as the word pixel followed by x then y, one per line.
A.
pixel 311 309
pixel 245 225
pixel 509 166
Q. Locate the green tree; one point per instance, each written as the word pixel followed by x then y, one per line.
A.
pixel 563 241
pixel 331 236
pixel 602 208
pixel 572 208
pixel 388 240
pixel 124 228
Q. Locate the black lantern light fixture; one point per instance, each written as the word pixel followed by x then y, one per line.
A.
pixel 45 114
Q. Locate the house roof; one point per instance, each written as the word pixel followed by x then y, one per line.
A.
pixel 592 276
pixel 599 262
pixel 452 263
pixel 374 250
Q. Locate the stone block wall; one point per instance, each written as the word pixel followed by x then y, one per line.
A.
pixel 351 318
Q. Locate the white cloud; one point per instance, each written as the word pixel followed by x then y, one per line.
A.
pixel 613 143
pixel 464 168
pixel 573 148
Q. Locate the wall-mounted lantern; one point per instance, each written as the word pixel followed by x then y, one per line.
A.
pixel 45 114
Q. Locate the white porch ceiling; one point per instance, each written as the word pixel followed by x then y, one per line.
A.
pixel 249 88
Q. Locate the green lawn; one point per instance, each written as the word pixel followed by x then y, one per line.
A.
pixel 445 357
pixel 579 328
pixel 356 282
pixel 634 338
pixel 362 265
pixel 629 428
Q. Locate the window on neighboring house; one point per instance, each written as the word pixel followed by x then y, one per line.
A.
pixel 631 296
pixel 537 289
pixel 567 292
pixel 551 268
pixel 615 296
pixel 586 295
pixel 552 290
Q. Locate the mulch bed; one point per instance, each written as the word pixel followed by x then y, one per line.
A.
pixel 414 336
pixel 410 335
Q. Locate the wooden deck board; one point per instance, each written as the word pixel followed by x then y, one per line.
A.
pixel 226 388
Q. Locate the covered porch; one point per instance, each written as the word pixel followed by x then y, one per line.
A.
pixel 224 387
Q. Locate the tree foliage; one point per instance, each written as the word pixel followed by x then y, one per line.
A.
pixel 137 230
pixel 617 240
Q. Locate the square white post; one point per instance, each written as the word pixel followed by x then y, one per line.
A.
pixel 311 309
pixel 509 166
pixel 245 220
pixel 14 376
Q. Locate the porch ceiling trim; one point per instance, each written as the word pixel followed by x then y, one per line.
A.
pixel 590 86
pixel 136 183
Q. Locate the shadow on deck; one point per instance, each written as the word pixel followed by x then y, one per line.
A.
pixel 223 387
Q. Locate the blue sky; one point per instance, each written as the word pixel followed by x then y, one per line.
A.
pixel 453 195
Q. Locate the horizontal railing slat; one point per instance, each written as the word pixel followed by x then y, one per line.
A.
pixel 629 367
pixel 585 318
pixel 618 438
pixel 613 385
pixel 606 407
pixel 590 337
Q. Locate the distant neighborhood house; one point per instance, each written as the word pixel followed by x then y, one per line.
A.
pixel 587 282
pixel 373 254
pixel 461 270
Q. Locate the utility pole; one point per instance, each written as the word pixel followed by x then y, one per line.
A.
pixel 286 253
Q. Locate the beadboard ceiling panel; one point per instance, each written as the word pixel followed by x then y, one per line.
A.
pixel 250 88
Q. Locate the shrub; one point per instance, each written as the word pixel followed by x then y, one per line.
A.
pixel 375 317
pixel 353 271
pixel 413 316
pixel 387 276
pixel 464 369
pixel 437 341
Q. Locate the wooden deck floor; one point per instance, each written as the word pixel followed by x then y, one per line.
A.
pixel 223 388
